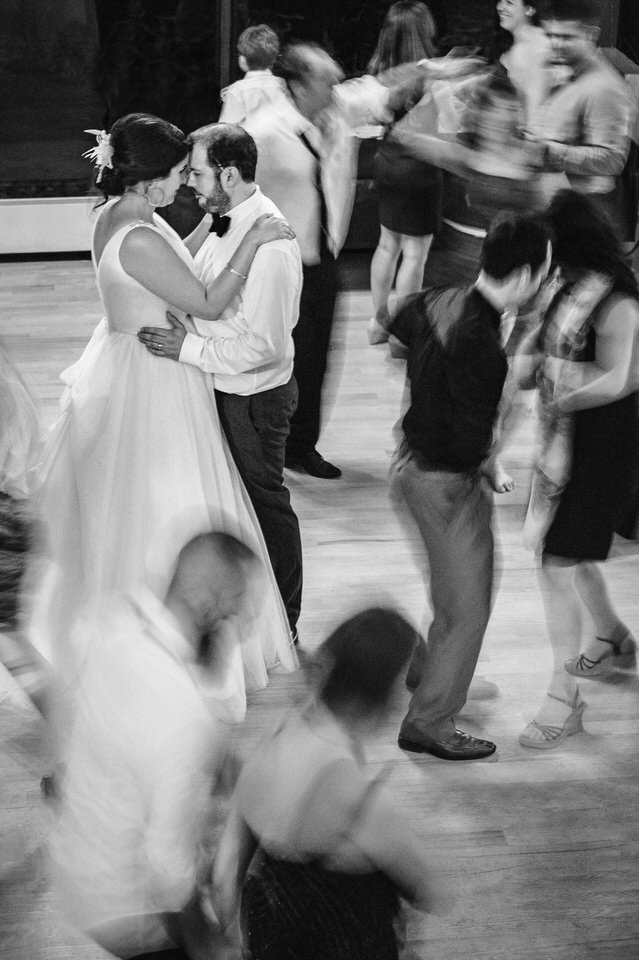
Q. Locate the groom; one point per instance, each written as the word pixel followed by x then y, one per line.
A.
pixel 250 348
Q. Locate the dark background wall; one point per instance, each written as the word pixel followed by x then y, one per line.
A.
pixel 349 28
pixel 158 56
pixel 66 65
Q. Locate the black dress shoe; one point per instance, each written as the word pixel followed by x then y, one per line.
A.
pixel 459 746
pixel 314 464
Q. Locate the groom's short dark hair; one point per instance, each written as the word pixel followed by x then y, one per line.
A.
pixel 228 145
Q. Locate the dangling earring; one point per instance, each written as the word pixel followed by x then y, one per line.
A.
pixel 150 199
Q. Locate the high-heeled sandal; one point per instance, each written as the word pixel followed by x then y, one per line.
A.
pixel 546 736
pixel 621 657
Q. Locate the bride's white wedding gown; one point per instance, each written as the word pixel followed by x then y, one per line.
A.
pixel 135 466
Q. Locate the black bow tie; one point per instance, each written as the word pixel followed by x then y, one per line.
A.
pixel 219 225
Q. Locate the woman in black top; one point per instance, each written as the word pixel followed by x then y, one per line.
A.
pixel 590 402
pixel 330 854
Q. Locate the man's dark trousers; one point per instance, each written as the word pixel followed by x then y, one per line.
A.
pixel 453 514
pixel 312 337
pixel 256 429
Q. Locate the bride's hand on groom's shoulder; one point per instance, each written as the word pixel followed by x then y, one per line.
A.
pixel 162 342
pixel 268 227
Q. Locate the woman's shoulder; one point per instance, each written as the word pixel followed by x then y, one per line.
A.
pixel 297 764
pixel 534 41
pixel 530 53
pixel 141 238
pixel 113 221
pixel 618 309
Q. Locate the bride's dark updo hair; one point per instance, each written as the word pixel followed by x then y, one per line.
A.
pixel 144 148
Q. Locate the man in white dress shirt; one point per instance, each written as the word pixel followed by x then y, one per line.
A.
pixel 250 348
pixel 146 747
pixel 307 164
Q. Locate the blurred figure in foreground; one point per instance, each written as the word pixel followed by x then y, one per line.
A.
pixel 19 446
pixel 329 855
pixel 454 343
pixel 587 473
pixel 146 747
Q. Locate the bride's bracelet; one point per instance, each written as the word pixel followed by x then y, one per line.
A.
pixel 236 273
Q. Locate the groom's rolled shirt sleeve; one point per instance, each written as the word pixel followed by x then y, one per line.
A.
pixel 269 302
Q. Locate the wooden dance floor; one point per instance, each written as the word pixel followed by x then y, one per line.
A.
pixel 539 848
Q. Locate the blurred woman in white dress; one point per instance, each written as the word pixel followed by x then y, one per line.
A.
pixel 137 463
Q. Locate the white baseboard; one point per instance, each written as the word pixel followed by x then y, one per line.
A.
pixel 46 225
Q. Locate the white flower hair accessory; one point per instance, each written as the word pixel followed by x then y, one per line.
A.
pixel 102 154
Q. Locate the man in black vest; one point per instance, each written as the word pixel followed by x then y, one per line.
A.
pixel 457 367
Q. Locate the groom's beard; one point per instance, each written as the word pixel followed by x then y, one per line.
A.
pixel 217 202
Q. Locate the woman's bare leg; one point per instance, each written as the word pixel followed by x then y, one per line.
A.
pixel 383 267
pixel 410 276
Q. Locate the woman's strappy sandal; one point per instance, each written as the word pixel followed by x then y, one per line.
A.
pixel 545 736
pixel 619 658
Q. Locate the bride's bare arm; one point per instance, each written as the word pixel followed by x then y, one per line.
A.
pixel 197 237
pixel 150 260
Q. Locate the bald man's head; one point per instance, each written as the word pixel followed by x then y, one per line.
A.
pixel 211 584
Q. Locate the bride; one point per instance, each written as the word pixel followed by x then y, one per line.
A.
pixel 137 463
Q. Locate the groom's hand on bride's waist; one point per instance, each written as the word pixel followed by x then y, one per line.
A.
pixel 162 342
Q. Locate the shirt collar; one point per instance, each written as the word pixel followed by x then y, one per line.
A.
pixel 246 208
pixel 486 307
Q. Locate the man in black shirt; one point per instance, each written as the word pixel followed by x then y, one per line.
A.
pixel 457 367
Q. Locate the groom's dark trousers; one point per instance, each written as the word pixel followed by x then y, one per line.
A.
pixel 256 428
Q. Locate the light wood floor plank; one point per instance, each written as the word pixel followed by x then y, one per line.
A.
pixel 541 848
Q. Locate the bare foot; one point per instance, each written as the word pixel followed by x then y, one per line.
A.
pixel 501 481
pixel 376 332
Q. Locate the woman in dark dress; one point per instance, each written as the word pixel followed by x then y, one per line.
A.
pixel 409 190
pixel 591 403
pixel 331 856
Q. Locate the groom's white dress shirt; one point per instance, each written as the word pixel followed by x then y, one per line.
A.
pixel 250 348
